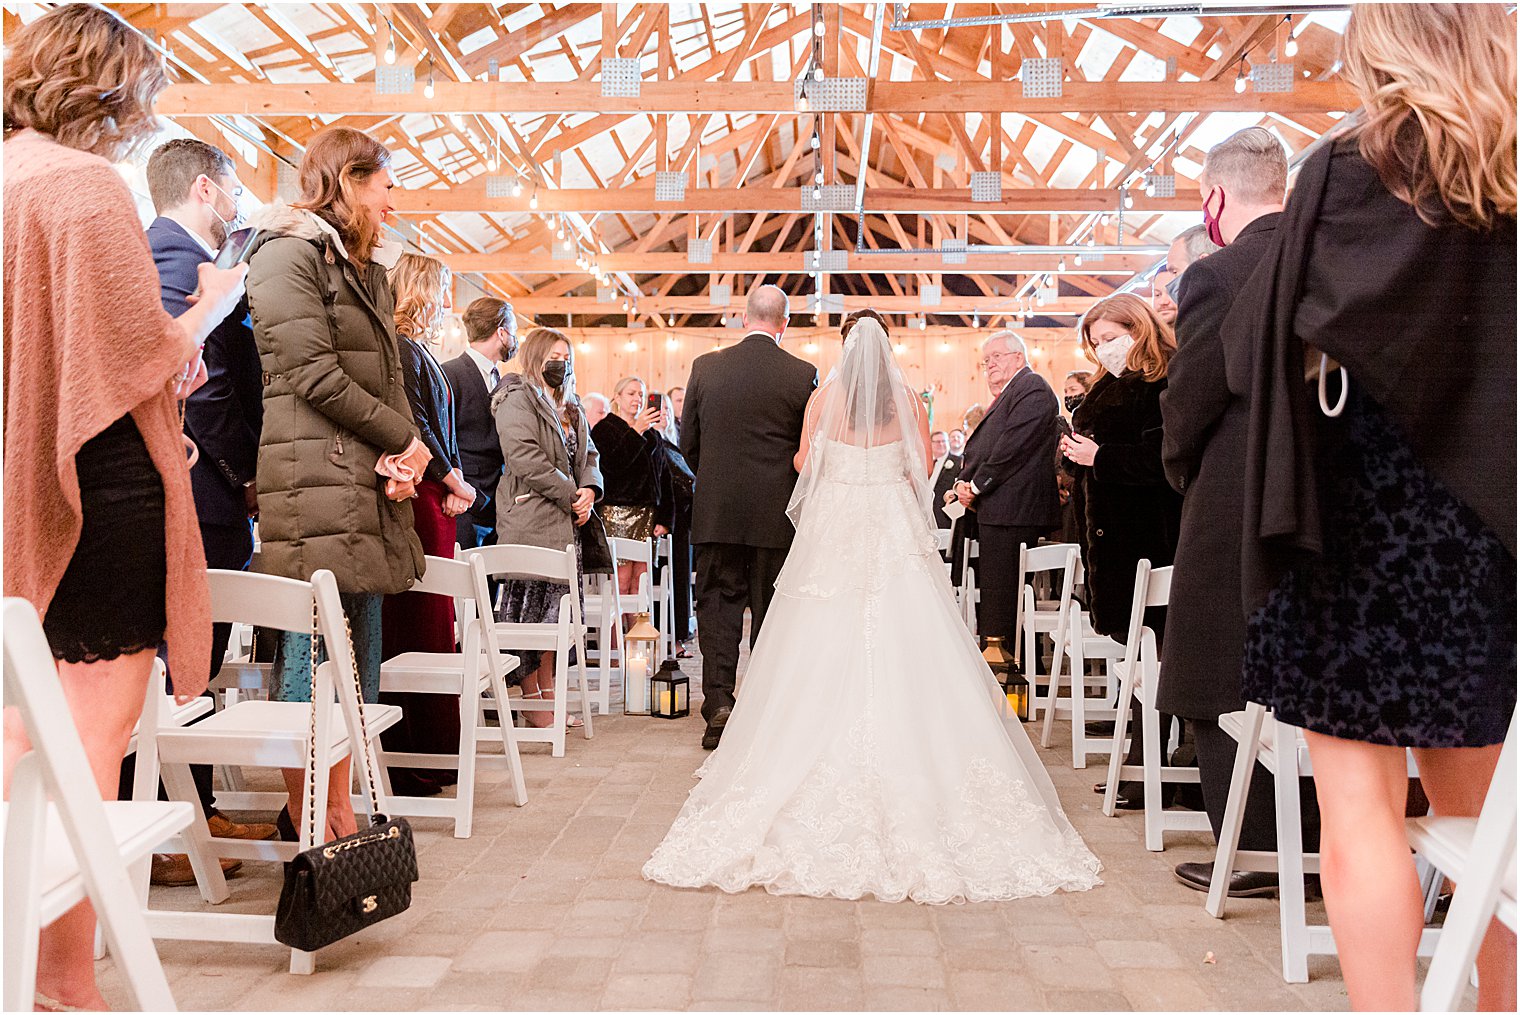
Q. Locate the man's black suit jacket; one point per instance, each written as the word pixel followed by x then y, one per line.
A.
pixel 480 457
pixel 1203 451
pixel 223 416
pixel 1009 456
pixel 943 484
pixel 740 428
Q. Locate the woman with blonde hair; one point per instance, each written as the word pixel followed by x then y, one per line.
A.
pixel 415 621
pixel 551 482
pixel 339 457
pixel 100 530
pixel 637 503
pixel 1379 548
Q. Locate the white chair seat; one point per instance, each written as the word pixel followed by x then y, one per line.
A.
pixel 137 827
pixel 176 714
pixel 434 672
pixel 1447 844
pixel 274 731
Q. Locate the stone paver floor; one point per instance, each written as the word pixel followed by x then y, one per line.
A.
pixel 544 909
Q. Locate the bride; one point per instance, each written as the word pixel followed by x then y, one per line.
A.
pixel 871 752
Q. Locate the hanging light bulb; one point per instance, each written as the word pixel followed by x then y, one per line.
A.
pixel 427 89
pixel 817 73
pixel 1290 48
pixel 533 201
pixel 492 163
pixel 1240 79
pixel 802 102
pixel 815 143
pixel 817 193
pixel 517 188
pixel 818 29
pixel 1078 260
pixel 818 176
pixel 1129 199
pixel 390 46
pixel 899 348
pixel 1061 264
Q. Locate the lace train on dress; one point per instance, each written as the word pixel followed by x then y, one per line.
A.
pixel 870 751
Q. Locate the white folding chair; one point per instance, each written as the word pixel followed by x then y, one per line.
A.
pixel 968 594
pixel 265 734
pixel 1479 855
pixel 464 674
pixel 1138 674
pixel 536 563
pixel 1048 616
pixel 1281 750
pixel 664 592
pixel 76 847
pixel 1083 646
pixel 604 612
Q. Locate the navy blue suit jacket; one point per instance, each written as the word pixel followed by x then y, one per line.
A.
pixel 225 415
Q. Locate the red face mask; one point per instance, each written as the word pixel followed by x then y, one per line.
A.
pixel 1211 219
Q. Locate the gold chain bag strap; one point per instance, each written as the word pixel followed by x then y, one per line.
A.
pixel 337 888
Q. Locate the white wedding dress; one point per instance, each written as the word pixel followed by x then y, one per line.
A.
pixel 870 751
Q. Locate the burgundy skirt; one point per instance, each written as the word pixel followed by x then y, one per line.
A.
pixel 421 622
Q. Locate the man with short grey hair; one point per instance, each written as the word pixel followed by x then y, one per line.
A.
pixel 1008 477
pixel 597 408
pixel 1192 244
pixel 1244 181
pixel 740 428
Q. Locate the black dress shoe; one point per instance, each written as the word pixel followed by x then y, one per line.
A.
pixel 715 727
pixel 1243 884
pixel 1099 728
pixel 285 827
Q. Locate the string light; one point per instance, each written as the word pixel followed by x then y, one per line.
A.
pixel 802 102
pixel 817 73
pixel 427 89
pixel 533 201
pixel 1290 48
pixel 815 143
pixel 390 42
pixel 517 188
pixel 1240 78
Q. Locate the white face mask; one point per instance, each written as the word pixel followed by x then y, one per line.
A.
pixel 386 253
pixel 1114 354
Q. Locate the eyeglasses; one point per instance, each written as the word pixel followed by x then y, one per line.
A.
pixel 987 361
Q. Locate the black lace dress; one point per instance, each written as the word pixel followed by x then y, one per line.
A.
pixel 1403 631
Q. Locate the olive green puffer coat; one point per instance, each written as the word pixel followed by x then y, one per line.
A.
pixel 333 404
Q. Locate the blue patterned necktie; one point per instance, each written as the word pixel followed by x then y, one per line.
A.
pixel 495 377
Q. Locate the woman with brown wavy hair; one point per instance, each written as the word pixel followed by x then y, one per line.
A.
pixel 100 531
pixel 339 457
pixel 415 621
pixel 1129 512
pixel 1379 550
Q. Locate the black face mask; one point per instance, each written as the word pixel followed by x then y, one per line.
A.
pixel 1072 401
pixel 554 372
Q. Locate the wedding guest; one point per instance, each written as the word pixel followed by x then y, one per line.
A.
pixel 972 418
pixel 1006 477
pixel 947 467
pixel 740 430
pixel 100 530
pixel 490 329
pixel 632 505
pixel 958 442
pixel 195 190
pixel 1379 553
pixel 1203 451
pixel 597 407
pixel 1130 512
pixel 417 621
pixel 1190 245
pixel 551 482
pixel 340 458
pixel 677 400
pixel 1073 390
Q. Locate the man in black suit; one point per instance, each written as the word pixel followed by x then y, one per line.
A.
pixel 1245 179
pixel 947 466
pixel 195 191
pixel 740 428
pixel 1007 477
pixel 490 326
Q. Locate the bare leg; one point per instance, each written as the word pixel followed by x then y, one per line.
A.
pixel 1371 893
pixel 1456 780
pixel 105 699
pixel 540 684
pixel 340 806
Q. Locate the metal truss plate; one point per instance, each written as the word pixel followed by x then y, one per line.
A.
pixel 1042 77
pixel 620 77
pixel 833 197
pixel 669 186
pixel 986 186
pixel 395 80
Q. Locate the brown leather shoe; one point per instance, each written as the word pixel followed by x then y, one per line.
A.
pixel 223 827
pixel 173 870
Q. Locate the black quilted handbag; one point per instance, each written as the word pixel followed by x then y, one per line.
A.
pixel 341 887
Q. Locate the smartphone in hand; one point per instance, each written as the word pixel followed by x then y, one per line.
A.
pixel 237 248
